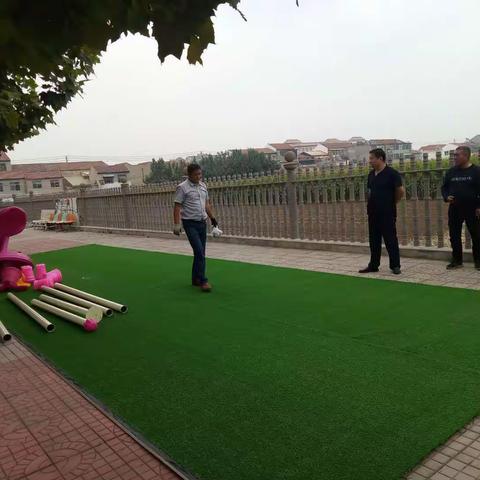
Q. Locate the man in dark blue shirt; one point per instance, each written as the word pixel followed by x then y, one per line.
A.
pixel 461 189
pixel 385 190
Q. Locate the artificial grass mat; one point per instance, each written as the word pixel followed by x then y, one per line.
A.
pixel 279 373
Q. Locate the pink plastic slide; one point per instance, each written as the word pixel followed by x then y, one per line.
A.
pixel 12 222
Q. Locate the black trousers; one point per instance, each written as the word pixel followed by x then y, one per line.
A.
pixel 457 215
pixel 383 225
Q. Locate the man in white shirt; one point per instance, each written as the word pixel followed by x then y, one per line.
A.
pixel 193 208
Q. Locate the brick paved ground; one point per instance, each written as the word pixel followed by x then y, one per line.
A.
pixel 82 447
pixel 48 431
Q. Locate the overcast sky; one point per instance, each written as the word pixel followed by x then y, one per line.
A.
pixel 408 69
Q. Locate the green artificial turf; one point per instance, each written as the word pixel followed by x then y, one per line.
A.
pixel 279 373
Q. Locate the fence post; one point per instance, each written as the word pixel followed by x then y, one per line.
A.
pixel 82 211
pixel 426 201
pixel 124 189
pixel 414 202
pixel 440 235
pixel 291 166
pixel 30 197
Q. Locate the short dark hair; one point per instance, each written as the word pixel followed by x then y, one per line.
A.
pixel 466 150
pixel 193 167
pixel 379 153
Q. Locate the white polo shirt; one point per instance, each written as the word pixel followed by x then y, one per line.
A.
pixel 192 197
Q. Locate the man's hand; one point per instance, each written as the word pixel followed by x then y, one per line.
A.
pixel 177 229
pixel 477 212
pixel 450 199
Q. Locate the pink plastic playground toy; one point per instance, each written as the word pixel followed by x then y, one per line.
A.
pixel 12 222
pixel 51 278
pixel 41 270
pixel 27 272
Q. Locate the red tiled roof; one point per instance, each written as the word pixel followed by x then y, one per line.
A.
pixel 43 175
pixel 432 148
pixel 386 141
pixel 337 145
pixel 282 146
pixel 4 157
pixel 307 144
pixel 55 167
pixel 12 175
pixel 119 168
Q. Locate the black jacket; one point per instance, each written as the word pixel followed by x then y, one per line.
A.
pixel 464 185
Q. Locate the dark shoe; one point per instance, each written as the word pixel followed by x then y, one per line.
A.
pixel 396 271
pixel 368 270
pixel 477 266
pixel 196 283
pixel 206 288
pixel 454 265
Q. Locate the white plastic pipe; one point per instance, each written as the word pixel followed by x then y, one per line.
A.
pixel 87 324
pixel 77 300
pixel 92 298
pixel 4 333
pixel 94 313
pixel 69 307
pixel 42 321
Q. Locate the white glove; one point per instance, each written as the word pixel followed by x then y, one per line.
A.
pixel 216 232
pixel 177 229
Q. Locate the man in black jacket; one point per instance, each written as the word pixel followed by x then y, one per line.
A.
pixel 461 189
pixel 385 190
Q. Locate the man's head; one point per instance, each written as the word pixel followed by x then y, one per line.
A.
pixel 194 172
pixel 462 156
pixel 377 158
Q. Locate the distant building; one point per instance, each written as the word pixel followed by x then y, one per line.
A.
pixel 103 175
pixel 338 150
pixel 282 148
pixel 43 178
pixel 393 147
pixel 308 153
pixel 475 140
pixel 432 150
pixel 343 152
pixel 448 149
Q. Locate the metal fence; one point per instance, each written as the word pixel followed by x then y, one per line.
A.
pixel 315 204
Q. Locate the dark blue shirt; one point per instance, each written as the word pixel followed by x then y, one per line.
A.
pixel 381 191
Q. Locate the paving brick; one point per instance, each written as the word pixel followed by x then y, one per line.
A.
pixel 471 470
pixel 463 476
pixel 439 476
pixel 49 473
pixel 463 457
pixel 433 465
pixel 448 471
pixel 457 464
pixel 440 458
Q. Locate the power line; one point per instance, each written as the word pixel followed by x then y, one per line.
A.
pixel 109 158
